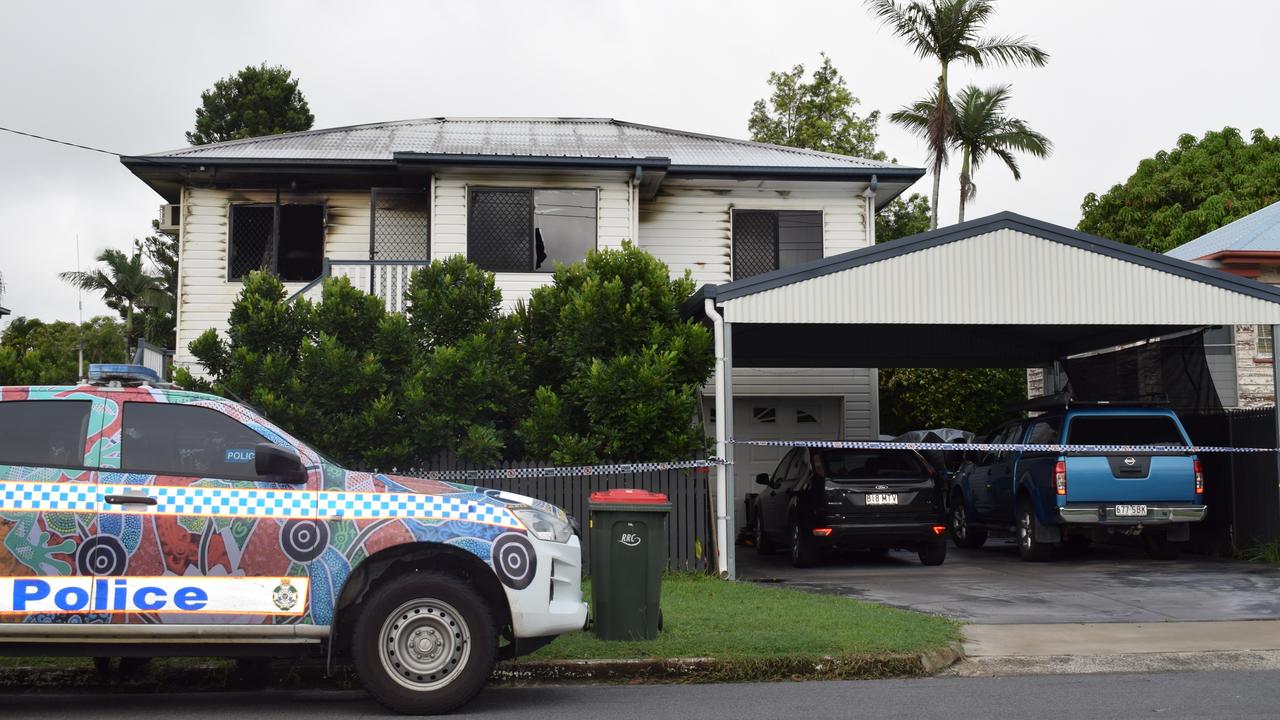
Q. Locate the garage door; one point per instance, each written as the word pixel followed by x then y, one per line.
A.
pixel 776 418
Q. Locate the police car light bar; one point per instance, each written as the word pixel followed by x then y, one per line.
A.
pixel 107 372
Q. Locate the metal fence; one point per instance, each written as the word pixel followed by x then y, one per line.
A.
pixel 1241 489
pixel 689 527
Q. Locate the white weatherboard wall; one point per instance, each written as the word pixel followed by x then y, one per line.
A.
pixel 204 294
pixel 1072 286
pixel 449 216
pixel 689 227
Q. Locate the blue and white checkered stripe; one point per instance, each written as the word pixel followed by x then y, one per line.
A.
pixel 40 497
pixel 369 506
pixel 252 502
pixel 237 502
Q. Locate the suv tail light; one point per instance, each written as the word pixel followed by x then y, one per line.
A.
pixel 1199 478
pixel 1060 477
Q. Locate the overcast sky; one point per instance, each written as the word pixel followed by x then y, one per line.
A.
pixel 1125 79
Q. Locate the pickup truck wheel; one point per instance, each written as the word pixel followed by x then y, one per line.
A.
pixel 933 552
pixel 424 643
pixel 1028 548
pixel 764 546
pixel 958 525
pixel 803 552
pixel 1159 547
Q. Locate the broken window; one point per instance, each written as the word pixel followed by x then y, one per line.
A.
pixel 525 230
pixel 300 254
pixel 766 240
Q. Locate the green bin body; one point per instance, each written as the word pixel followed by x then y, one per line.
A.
pixel 628 554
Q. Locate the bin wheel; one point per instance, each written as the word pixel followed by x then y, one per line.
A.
pixel 424 643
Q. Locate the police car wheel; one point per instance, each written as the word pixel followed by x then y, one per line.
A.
pixel 424 644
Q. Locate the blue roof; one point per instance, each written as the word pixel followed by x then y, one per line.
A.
pixel 1259 231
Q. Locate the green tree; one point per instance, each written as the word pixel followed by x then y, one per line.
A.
pixel 817 115
pixel 902 218
pixel 38 353
pixel 255 101
pixel 980 128
pixel 159 313
pixel 1180 194
pixel 922 398
pixel 125 284
pixel 616 369
pixel 949 32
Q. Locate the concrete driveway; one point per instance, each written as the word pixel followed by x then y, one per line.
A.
pixel 1104 584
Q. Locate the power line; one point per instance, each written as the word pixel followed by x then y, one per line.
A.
pixel 60 142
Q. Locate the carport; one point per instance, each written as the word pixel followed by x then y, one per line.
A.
pixel 1000 291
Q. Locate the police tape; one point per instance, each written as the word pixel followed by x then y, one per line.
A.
pixel 565 470
pixel 1003 447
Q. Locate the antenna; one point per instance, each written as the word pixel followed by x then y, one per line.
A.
pixel 80 316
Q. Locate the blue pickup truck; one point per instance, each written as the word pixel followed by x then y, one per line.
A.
pixel 1046 498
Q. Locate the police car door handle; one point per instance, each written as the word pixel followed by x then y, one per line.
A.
pixel 130 500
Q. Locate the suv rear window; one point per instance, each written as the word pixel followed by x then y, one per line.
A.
pixel 43 432
pixel 1124 430
pixel 872 464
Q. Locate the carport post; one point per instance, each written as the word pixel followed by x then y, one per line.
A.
pixel 725 561
pixel 1275 394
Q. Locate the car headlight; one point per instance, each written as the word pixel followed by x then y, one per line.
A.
pixel 542 524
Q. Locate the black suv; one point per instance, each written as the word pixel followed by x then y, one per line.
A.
pixel 820 499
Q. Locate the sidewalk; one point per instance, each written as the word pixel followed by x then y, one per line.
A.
pixel 1119 647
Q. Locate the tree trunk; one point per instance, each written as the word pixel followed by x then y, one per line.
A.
pixel 940 133
pixel 964 182
pixel 128 329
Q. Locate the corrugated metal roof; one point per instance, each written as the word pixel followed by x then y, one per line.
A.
pixel 1258 231
pixel 1049 275
pixel 520 137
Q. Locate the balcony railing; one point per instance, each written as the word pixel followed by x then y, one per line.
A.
pixel 387 279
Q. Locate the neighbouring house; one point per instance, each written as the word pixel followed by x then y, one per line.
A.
pixel 1241 356
pixel 374 202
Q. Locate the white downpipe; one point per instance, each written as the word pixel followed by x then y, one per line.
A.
pixel 724 430
pixel 869 214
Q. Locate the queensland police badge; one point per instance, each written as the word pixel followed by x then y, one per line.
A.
pixel 285 596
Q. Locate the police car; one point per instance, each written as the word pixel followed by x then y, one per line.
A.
pixel 137 518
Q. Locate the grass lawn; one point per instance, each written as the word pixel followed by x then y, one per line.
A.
pixel 708 617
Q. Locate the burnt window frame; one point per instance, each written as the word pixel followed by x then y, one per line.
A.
pixel 777 213
pixel 232 208
pixel 530 190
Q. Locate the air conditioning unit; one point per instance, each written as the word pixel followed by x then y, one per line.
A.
pixel 170 217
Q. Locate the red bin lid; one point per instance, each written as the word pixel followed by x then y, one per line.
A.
pixel 624 496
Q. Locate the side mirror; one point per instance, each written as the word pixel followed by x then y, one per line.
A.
pixel 762 479
pixel 279 464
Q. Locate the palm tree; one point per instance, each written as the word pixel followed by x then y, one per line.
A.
pixel 981 128
pixel 124 284
pixel 950 31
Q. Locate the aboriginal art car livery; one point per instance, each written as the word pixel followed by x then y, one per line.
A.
pixel 140 505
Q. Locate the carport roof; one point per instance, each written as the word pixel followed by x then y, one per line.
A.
pixel 1000 291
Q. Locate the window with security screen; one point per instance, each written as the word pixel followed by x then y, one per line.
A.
pixel 401 224
pixel 766 240
pixel 299 254
pixel 530 230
